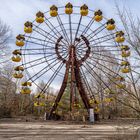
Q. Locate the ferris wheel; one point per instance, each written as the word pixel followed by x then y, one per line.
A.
pixel 72 44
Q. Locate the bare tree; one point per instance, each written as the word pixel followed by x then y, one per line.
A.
pixel 131 26
pixel 5 36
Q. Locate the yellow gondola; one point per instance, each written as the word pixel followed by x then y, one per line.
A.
pixel 40 95
pixel 19 68
pixel 77 105
pixel 125 63
pixel 108 91
pixel 120 78
pixel 108 100
pixel 93 101
pixel 84 10
pixel 39 17
pixel 125 48
pixel 125 53
pixel 28 27
pixel 26 84
pixel 69 8
pixel 18 75
pixel 16 56
pixel 53 11
pixel 110 25
pixel 20 40
pixel 98 16
pixel 25 90
pixel 39 104
pixel 125 70
pixel 120 37
pixel 120 85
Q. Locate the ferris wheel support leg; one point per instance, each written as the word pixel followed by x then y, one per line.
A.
pixel 62 89
pixel 81 89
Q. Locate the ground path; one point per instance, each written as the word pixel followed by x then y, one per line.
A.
pixel 52 130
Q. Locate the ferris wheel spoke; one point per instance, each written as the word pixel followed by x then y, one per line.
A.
pixel 33 65
pixel 87 27
pixel 109 75
pixel 108 35
pixel 47 33
pixel 93 32
pixel 54 28
pixel 45 36
pixel 40 63
pixel 95 76
pixel 55 32
pixel 52 78
pixel 37 49
pixel 70 28
pixel 103 50
pixel 29 62
pixel 104 46
pixel 34 82
pixel 90 37
pixel 105 67
pixel 37 53
pixel 87 83
pixel 110 38
pixel 32 61
pixel 78 28
pixel 108 56
pixel 63 29
pixel 47 85
pixel 99 29
pixel 46 46
pixel 49 66
pixel 45 69
pixel 105 60
pixel 38 39
pixel 135 71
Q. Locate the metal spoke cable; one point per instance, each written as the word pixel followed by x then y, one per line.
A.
pixel 56 33
pixel 108 76
pixel 77 28
pixel 63 29
pixel 46 67
pixel 70 29
pixel 52 78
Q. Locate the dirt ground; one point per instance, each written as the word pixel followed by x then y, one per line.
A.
pixel 58 130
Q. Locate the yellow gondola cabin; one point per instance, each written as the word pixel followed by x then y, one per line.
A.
pixel 53 11
pixel 69 8
pixel 125 70
pixel 26 88
pixel 110 25
pixel 16 56
pixel 125 53
pixel 39 17
pixel 28 27
pixel 20 40
pixel 98 16
pixel 18 74
pixel 84 10
pixel 120 37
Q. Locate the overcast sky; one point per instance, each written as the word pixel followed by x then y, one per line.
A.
pixel 16 12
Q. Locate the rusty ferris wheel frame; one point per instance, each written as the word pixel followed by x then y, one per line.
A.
pixel 77 49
